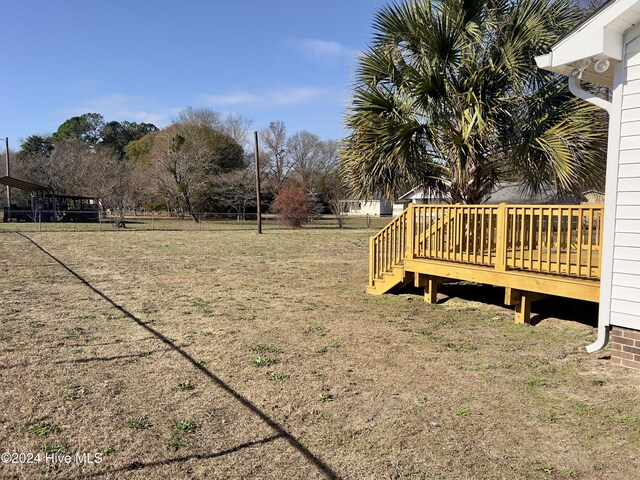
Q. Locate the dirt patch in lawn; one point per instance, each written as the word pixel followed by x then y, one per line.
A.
pixel 231 355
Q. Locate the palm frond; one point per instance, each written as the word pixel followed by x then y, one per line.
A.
pixel 448 95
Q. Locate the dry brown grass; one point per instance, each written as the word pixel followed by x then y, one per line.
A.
pixel 283 367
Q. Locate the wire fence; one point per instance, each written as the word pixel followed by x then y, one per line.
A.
pixel 88 221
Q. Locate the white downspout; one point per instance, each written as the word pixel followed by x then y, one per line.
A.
pixel 602 340
pixel 576 89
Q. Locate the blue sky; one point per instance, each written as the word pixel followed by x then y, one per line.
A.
pixel 145 61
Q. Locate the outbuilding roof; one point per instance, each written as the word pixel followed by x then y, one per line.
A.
pixel 23 185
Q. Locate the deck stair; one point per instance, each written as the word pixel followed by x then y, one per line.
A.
pixel 531 250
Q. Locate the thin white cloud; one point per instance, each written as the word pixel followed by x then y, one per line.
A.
pixel 235 98
pixel 318 50
pixel 284 97
pixel 323 48
pixel 118 106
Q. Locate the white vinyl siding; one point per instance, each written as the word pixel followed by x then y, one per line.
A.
pixel 628 226
pixel 624 320
pixel 628 198
pixel 630 156
pixel 628 253
pixel 626 239
pixel 625 280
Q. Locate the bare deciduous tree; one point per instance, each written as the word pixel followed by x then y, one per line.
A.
pixel 236 190
pixel 275 159
pixel 112 181
pixel 199 117
pixel 179 169
pixel 66 169
pixel 304 150
pixel 186 158
pixel 333 187
pixel 237 126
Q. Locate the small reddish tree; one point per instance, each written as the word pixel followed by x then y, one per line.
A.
pixel 294 206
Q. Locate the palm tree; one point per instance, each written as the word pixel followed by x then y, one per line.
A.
pixel 448 96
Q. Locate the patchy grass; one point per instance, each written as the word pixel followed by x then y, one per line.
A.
pixel 41 429
pixel 72 392
pixel 264 361
pixel 278 377
pixel 186 386
pixel 54 447
pixel 177 443
pixel 187 426
pixel 259 348
pixel 139 423
pixel 359 386
pixel 325 397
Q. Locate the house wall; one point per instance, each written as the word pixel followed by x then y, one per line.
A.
pixel 620 285
pixel 374 207
pixel 380 207
pixel 398 208
pixel 625 347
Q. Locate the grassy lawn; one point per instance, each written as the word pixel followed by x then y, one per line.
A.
pixel 223 354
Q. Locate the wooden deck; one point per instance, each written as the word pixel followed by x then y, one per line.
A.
pixel 531 250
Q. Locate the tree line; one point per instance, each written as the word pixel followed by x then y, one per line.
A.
pixel 201 162
pixel 447 96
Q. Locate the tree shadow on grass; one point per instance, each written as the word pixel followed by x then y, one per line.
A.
pixel 110 359
pixel 318 463
pixel 169 461
pixel 87 359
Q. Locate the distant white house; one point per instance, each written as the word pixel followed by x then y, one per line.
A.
pixel 605 51
pixel 418 196
pixel 376 207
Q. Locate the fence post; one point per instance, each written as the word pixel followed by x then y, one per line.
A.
pixel 153 217
pixel 368 221
pixel 411 230
pixel 501 238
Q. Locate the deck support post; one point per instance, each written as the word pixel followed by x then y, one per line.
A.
pixel 431 290
pixel 522 301
pixel 430 284
pixel 523 309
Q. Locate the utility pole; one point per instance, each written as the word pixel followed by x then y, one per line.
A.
pixel 6 146
pixel 255 138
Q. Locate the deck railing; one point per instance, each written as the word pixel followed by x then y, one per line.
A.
pixel 551 239
pixel 389 246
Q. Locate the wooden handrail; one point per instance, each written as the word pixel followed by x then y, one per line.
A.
pixel 390 245
pixel 552 239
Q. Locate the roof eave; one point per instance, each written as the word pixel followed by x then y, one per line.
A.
pixel 601 36
pixel 589 75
